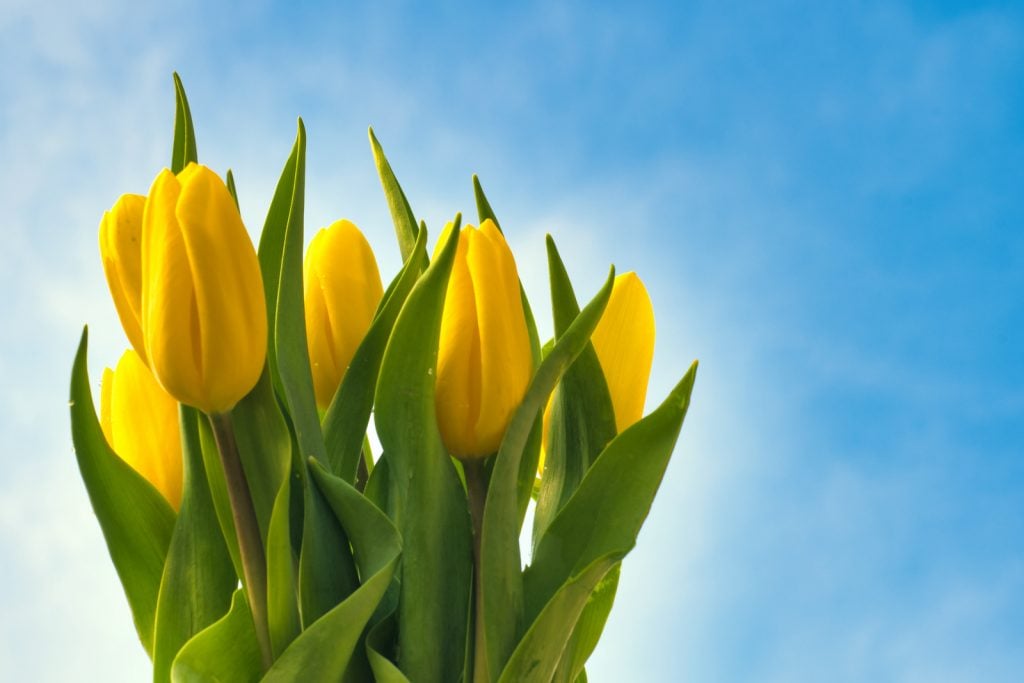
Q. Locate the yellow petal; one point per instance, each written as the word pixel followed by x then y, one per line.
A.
pixel 484 360
pixel 342 288
pixel 121 251
pixel 140 422
pixel 204 315
pixel 505 360
pixel 624 341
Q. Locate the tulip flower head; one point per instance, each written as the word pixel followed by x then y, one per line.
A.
pixel 140 421
pixel 342 289
pixel 121 251
pixel 204 318
pixel 484 362
pixel 624 342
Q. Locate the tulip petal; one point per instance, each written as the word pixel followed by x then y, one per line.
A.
pixel 121 251
pixel 169 310
pixel 458 388
pixel 232 322
pixel 505 361
pixel 140 421
pixel 624 341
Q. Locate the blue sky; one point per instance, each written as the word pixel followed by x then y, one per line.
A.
pixel 824 201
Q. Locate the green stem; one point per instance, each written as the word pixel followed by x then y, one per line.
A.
pixel 250 544
pixel 476 490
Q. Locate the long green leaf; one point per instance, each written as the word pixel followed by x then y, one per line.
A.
pixel 582 418
pixel 609 507
pixel 588 628
pixel 198 577
pixel 502 585
pixel 136 520
pixel 219 494
pixel 184 149
pixel 426 498
pixel 401 212
pixel 225 652
pixel 325 649
pixel 282 603
pixel 379 644
pixel 327 571
pixel 347 417
pixel 538 653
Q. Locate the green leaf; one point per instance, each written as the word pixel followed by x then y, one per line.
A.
pixel 184 150
pixel 229 180
pixel 502 585
pixel 264 447
pixel 198 577
pixel 427 500
pixel 280 255
pixel 326 647
pixel 327 572
pixel 588 628
pixel 225 652
pixel 609 507
pixel 219 493
pixel 401 212
pixel 582 418
pixel 378 485
pixel 282 604
pixel 347 417
pixel 379 644
pixel 136 520
pixel 531 454
pixel 537 655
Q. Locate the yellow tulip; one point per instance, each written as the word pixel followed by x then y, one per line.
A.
pixel 121 251
pixel 342 289
pixel 624 342
pixel 484 363
pixel 140 421
pixel 203 313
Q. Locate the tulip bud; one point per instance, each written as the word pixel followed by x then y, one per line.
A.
pixel 484 362
pixel 140 421
pixel 121 251
pixel 624 341
pixel 203 312
pixel 342 289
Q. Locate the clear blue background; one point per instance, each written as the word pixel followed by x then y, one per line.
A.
pixel 826 201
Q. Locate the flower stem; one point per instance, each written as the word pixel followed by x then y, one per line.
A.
pixel 476 490
pixel 250 544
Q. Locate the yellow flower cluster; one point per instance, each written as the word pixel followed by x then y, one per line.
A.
pixel 187 287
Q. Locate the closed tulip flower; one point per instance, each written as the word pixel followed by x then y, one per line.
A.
pixel 121 251
pixel 624 342
pixel 342 289
pixel 203 313
pixel 140 421
pixel 484 362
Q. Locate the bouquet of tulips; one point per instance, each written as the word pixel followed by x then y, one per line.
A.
pixel 256 535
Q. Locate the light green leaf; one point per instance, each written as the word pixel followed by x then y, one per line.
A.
pixel 327 572
pixel 325 649
pixel 588 629
pixel 225 652
pixel 347 417
pixel 609 507
pixel 379 645
pixel 502 586
pixel 537 655
pixel 219 493
pixel 198 577
pixel 426 499
pixel 282 603
pixel 136 520
pixel 582 418
pixel 401 212
pixel 184 150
